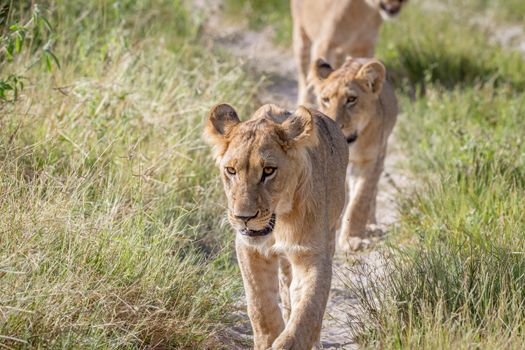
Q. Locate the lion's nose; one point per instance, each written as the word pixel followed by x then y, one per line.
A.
pixel 244 217
pixel 391 8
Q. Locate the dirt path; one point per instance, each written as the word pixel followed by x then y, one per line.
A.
pixel 277 66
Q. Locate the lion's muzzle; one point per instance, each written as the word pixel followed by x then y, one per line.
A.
pixel 258 233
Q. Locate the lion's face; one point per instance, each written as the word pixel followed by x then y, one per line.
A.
pixel 349 95
pixel 388 8
pixel 258 164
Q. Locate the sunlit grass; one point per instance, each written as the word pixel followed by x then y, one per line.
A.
pixel 111 223
pixel 459 282
pixel 460 285
pixel 111 213
pixel 438 47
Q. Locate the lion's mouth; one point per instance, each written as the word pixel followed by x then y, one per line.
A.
pixel 351 138
pixel 265 231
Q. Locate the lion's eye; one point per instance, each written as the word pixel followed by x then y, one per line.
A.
pixel 325 100
pixel 351 100
pixel 268 171
pixel 230 170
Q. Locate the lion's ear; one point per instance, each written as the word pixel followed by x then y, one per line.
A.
pixel 373 73
pixel 320 70
pixel 299 129
pixel 272 112
pixel 221 120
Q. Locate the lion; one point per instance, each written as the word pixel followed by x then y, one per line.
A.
pixel 360 100
pixel 334 29
pixel 284 178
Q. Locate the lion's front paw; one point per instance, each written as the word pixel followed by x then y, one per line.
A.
pixel 354 244
pixel 375 231
pixel 356 241
pixel 283 342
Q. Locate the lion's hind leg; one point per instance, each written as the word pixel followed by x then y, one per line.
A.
pixel 302 47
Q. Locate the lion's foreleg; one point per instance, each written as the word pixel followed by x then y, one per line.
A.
pixel 260 279
pixel 372 212
pixel 309 294
pixel 285 279
pixel 363 183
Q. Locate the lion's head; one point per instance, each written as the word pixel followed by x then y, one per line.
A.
pixel 261 162
pixel 387 8
pixel 349 95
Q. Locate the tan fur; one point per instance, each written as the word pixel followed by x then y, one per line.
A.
pixel 334 29
pixel 363 103
pixel 305 193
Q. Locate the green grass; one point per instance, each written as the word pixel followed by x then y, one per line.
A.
pixel 112 217
pixel 111 211
pixel 262 13
pixel 457 260
pixel 502 10
pixel 457 283
pixel 444 52
pixel 461 284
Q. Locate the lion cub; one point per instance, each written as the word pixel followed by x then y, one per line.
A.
pixel 284 178
pixel 334 29
pixel 364 105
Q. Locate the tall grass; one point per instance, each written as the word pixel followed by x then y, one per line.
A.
pixel 111 229
pixel 461 284
pixel 456 266
pixel 445 50
pixel 458 282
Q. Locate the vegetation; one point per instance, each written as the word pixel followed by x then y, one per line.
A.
pixel 262 13
pixel 111 224
pixel 461 284
pixel 458 281
pixel 14 37
pixel 501 10
pixel 456 264
pixel 110 209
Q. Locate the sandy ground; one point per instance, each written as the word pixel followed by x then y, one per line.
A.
pixel 276 65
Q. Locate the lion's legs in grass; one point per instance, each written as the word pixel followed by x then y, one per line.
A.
pixel 309 291
pixel 285 279
pixel 302 46
pixel 261 285
pixel 363 190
